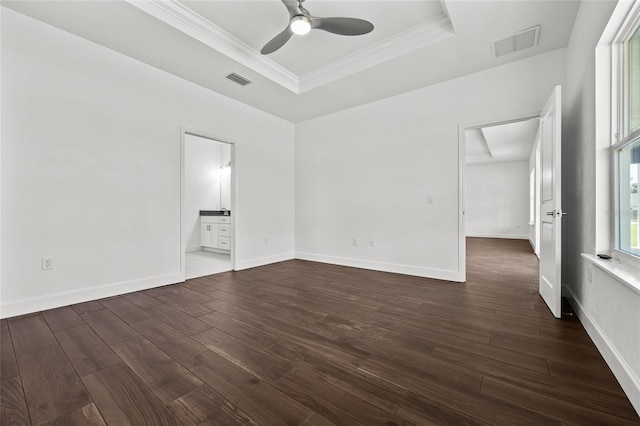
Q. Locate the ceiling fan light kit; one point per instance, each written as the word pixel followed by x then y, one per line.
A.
pixel 301 22
pixel 300 25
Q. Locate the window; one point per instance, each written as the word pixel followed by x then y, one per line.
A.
pixel 627 150
pixel 628 173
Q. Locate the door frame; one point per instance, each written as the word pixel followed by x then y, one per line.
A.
pixel 462 186
pixel 234 199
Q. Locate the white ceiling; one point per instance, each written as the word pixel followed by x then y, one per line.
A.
pixel 414 44
pixel 501 143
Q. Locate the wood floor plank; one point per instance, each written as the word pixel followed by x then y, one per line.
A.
pixel 485 358
pixel 559 409
pixel 86 307
pixel 371 389
pixel 577 337
pixel 263 403
pixel 198 285
pixel 124 400
pixel 8 364
pixel 430 372
pixel 539 318
pixel 62 318
pixel 177 345
pixel 203 406
pixel 185 294
pixel 51 386
pixel 109 327
pixel 422 411
pixel 465 398
pixel 158 291
pixel 585 357
pixel 240 330
pixel 604 382
pixel 31 334
pixel 341 351
pixel 332 403
pixel 559 390
pixel 260 364
pixel 167 379
pixel 496 324
pixel 13 408
pixel 85 416
pixel 316 419
pixel 188 306
pixel 125 310
pixel 178 319
pixel 141 299
pixel 87 352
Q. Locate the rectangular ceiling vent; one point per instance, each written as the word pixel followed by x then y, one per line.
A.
pixel 237 78
pixel 519 41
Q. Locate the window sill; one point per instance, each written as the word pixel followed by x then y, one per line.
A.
pixel 621 271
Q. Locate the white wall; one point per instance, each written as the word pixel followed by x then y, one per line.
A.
pixel 368 171
pixel 609 310
pixel 497 200
pixel 202 181
pixel 91 170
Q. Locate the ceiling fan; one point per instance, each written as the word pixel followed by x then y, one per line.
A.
pixel 301 22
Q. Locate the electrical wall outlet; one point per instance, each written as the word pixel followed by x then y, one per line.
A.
pixel 372 242
pixel 266 240
pixel 355 241
pixel 46 263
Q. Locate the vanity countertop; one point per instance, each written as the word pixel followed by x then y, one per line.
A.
pixel 215 212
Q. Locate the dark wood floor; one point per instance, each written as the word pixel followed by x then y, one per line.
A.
pixel 306 343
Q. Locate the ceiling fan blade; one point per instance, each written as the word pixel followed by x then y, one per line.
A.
pixel 342 26
pixel 277 42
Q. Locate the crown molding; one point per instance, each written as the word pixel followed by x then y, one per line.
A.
pixel 392 47
pixel 196 26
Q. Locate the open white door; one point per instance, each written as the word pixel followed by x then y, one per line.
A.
pixel 551 205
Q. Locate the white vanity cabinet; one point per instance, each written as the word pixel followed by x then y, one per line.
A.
pixel 210 231
pixel 216 232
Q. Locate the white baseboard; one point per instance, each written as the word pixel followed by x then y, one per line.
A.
pixel 419 271
pixel 505 236
pixel 261 261
pixel 56 300
pixel 621 370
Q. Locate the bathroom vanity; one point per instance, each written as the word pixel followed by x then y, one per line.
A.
pixel 216 229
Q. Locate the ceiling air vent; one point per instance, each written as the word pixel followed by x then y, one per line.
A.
pixel 519 41
pixel 237 78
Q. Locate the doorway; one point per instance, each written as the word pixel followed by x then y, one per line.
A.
pixel 498 168
pixel 207 211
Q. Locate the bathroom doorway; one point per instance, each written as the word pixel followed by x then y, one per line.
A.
pixel 207 213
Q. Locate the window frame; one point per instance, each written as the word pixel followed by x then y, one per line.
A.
pixel 621 136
